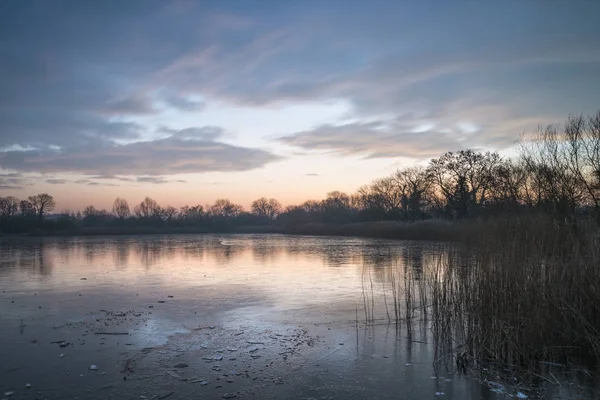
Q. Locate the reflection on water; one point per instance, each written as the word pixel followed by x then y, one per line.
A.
pixel 179 253
pixel 292 273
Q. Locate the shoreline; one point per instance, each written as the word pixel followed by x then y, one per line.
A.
pixel 422 230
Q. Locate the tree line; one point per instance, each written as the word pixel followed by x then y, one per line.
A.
pixel 556 172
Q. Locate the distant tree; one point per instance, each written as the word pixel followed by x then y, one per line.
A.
pixel 264 207
pixel 386 194
pixel 42 203
pixel 413 183
pixel 93 216
pixel 26 208
pixel 336 208
pixel 509 190
pixel 9 206
pixel 191 214
pixel 467 172
pixel 336 199
pixel 148 208
pixel 311 206
pixel 169 213
pixel 225 208
pixel 89 212
pixel 554 159
pixel 120 208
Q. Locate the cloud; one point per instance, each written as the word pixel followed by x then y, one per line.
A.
pixel 87 182
pixel 107 176
pixel 101 184
pixel 57 181
pixel 69 93
pixel 183 103
pixel 208 133
pixel 131 105
pixel 157 180
pixel 152 179
pixel 311 174
pixel 373 140
pixel 11 180
pixel 188 151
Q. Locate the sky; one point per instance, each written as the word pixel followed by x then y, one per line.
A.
pixel 190 101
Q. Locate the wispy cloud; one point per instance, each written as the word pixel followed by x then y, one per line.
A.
pixel 158 180
pixel 74 99
pixel 56 181
pixel 152 179
pixel 183 103
pixel 129 105
pixel 94 183
pixel 119 178
pixel 11 180
pixel 374 139
pixel 186 151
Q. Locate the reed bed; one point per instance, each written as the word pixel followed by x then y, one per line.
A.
pixel 516 292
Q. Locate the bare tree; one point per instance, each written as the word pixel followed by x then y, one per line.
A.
pixel 42 203
pixel 89 212
pixel 311 206
pixel 336 199
pixel 552 159
pixel 413 184
pixel 120 208
pixel 464 178
pixel 583 146
pixel 509 189
pixel 264 207
pixel 148 208
pixel 336 207
pixel 225 208
pixel 26 208
pixel 169 213
pixel 194 213
pixel 387 194
pixel 9 206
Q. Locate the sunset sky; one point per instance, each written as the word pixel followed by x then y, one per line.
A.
pixel 190 101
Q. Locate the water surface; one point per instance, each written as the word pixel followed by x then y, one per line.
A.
pixel 252 316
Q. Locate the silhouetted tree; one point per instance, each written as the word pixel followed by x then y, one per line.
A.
pixel 93 217
pixel 466 174
pixel 225 208
pixel 555 179
pixel 120 208
pixel 264 207
pixel 26 208
pixel 509 189
pixel 413 183
pixel 42 204
pixel 89 211
pixel 9 207
pixel 148 208
pixel 191 214
pixel 336 208
pixel 169 213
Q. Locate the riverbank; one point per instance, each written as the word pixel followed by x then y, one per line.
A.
pixel 421 230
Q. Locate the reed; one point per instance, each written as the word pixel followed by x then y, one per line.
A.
pixel 514 292
pixel 524 290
